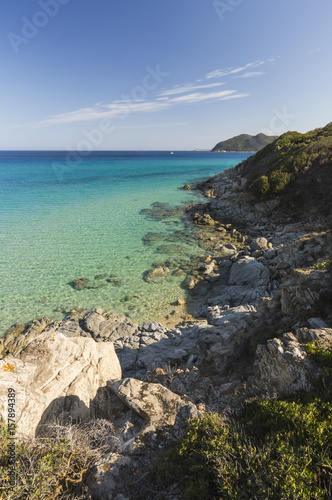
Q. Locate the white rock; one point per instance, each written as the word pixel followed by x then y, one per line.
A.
pixel 56 376
pixel 258 244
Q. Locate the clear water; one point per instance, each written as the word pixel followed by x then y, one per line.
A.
pixel 61 222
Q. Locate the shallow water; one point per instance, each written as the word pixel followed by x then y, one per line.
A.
pixel 61 222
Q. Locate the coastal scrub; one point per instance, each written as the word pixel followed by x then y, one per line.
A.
pixel 279 450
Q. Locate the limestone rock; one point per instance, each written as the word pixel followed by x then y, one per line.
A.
pixel 248 271
pixel 283 367
pixel 17 338
pixel 109 328
pixel 258 244
pixel 57 376
pixel 151 401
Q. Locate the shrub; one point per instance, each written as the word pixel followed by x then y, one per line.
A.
pixel 53 466
pixel 279 450
pixel 278 181
pixel 261 187
pixel 323 265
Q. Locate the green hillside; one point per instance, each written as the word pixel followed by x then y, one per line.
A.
pixel 244 142
pixel 297 168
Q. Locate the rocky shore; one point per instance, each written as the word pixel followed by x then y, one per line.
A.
pixel 264 290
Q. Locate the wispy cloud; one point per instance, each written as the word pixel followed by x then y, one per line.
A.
pixel 316 51
pixel 178 89
pixel 234 71
pixel 250 74
pixel 189 93
pixel 120 109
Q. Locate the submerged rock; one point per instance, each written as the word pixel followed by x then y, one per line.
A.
pixel 152 238
pixel 79 283
pixel 172 249
pixel 100 276
pixel 156 274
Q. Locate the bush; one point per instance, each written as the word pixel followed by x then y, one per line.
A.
pixel 53 466
pixel 278 181
pixel 261 187
pixel 279 450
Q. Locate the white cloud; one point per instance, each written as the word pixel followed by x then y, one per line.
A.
pixel 250 74
pixel 234 71
pixel 188 88
pixel 162 100
pixel 122 109
pixel 200 96
pixel 315 51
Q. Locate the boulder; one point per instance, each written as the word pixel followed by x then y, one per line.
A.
pixel 19 336
pixel 283 366
pixel 259 244
pixel 228 249
pixel 109 328
pixel 57 376
pixel 248 271
pixel 153 402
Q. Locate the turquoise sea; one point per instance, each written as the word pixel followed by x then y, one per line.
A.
pixel 60 221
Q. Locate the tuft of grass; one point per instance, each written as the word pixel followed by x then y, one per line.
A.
pixel 54 466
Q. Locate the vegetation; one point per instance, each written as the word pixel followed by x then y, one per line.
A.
pixel 323 265
pixel 297 168
pixel 244 142
pixel 52 467
pixel 279 450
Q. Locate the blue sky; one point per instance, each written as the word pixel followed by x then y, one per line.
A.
pixel 161 74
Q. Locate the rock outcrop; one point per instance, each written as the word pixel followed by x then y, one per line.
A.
pixel 57 377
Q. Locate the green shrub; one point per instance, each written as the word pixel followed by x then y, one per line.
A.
pixel 278 181
pixel 281 450
pixel 261 187
pixel 323 266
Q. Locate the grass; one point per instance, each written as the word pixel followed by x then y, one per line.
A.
pixel 280 450
pixel 54 466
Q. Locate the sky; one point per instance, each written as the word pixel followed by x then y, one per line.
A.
pixel 160 74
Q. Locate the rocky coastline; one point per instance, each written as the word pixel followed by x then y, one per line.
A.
pixel 262 290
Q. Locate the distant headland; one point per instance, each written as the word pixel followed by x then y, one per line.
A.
pixel 244 142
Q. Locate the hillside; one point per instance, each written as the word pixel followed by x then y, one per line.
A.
pixel 296 169
pixel 244 142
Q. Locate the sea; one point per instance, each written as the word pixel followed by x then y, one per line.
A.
pixel 64 218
